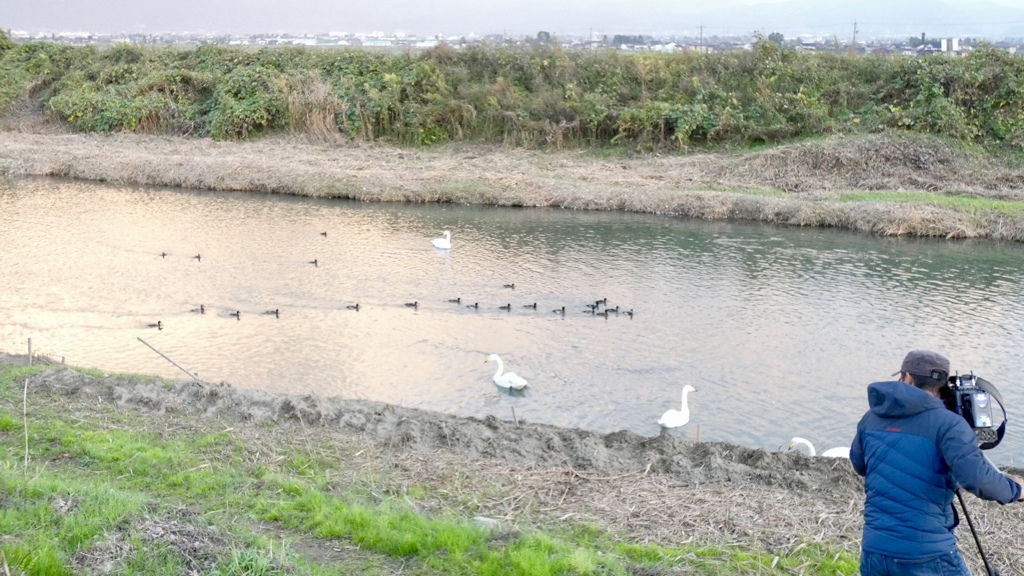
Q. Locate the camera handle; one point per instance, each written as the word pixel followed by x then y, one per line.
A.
pixel 988 567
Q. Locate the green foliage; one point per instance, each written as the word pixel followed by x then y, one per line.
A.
pixel 538 95
pixel 247 100
pixel 960 203
pixel 5 42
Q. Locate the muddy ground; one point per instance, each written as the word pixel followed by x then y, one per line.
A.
pixel 648 489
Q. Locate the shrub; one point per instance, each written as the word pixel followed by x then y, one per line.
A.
pixel 5 42
pixel 249 99
pixel 529 96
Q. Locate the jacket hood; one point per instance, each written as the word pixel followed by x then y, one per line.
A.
pixel 899 400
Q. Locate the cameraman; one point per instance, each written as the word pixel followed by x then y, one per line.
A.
pixel 913 452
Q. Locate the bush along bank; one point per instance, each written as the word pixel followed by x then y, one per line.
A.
pixel 541 96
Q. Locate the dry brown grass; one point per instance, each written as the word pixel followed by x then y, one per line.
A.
pixel 312 108
pixel 644 507
pixel 796 185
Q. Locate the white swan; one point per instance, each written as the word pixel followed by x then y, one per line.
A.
pixel 677 418
pixel 443 243
pixel 508 379
pixel 840 452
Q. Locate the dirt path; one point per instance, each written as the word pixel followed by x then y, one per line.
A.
pixel 659 489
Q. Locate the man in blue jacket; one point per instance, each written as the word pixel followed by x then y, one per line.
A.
pixel 913 453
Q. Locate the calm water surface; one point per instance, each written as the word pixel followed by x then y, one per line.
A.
pixel 779 329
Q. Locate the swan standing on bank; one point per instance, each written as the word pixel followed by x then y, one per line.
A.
pixel 677 418
pixel 443 243
pixel 841 452
pixel 508 379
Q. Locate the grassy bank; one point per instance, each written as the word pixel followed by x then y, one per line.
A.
pixel 112 489
pixel 540 96
pixel 879 184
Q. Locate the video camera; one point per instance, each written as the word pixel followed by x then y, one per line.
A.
pixel 971 397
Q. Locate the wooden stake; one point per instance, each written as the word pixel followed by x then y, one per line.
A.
pixel 29 351
pixel 698 433
pixel 24 418
pixel 514 416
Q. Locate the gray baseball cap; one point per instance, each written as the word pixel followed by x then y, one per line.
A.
pixel 926 364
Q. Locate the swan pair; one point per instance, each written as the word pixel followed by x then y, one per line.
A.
pixel 509 380
pixel 443 243
pixel 841 452
pixel 677 418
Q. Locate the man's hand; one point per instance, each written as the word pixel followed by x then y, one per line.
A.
pixel 1020 482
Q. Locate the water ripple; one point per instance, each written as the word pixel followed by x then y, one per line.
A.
pixel 779 329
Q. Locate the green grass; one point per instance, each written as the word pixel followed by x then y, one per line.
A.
pixel 763 192
pixel 959 203
pixel 95 480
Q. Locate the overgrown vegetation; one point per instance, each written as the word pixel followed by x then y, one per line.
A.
pixel 114 490
pixel 536 96
pixel 5 42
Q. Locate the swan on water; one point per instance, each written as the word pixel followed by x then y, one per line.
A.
pixel 443 243
pixel 506 379
pixel 677 418
pixel 839 452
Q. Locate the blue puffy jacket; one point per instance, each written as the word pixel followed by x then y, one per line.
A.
pixel 913 452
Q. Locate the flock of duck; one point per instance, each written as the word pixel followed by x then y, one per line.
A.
pixel 444 243
pixel 510 380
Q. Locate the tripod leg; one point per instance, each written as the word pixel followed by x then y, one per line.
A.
pixel 988 568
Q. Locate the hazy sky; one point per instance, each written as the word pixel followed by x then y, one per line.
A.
pixel 516 17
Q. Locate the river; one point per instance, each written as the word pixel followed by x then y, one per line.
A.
pixel 779 329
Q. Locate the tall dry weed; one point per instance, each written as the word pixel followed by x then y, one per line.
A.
pixel 312 108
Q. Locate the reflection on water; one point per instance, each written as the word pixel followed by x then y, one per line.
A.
pixel 779 329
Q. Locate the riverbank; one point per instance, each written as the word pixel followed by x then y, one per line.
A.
pixel 883 184
pixel 138 475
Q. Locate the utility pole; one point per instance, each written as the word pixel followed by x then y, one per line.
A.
pixel 853 47
pixel 701 38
